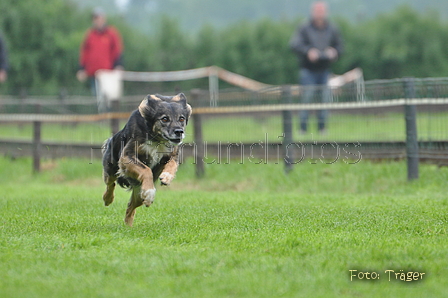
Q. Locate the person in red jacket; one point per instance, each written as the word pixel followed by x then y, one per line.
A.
pixel 3 61
pixel 102 48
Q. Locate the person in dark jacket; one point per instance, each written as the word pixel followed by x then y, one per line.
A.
pixel 3 61
pixel 101 49
pixel 317 44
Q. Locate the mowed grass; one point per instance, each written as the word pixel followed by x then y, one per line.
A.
pixel 242 231
pixel 341 127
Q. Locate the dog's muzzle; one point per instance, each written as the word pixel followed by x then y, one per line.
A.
pixel 177 137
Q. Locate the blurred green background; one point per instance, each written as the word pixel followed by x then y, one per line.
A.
pixel 386 40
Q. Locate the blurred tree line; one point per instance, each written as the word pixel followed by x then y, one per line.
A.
pixel 43 38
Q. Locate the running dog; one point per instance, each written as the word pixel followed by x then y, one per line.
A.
pixel 145 150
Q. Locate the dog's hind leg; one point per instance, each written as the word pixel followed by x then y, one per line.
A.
pixel 134 202
pixel 108 196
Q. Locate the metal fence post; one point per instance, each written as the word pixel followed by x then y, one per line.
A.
pixel 37 144
pixel 197 134
pixel 287 129
pixel 411 131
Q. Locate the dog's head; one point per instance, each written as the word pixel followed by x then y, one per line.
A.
pixel 166 116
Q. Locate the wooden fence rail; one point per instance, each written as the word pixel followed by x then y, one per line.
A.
pixel 285 106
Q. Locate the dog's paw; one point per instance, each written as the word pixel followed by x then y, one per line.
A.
pixel 148 196
pixel 166 178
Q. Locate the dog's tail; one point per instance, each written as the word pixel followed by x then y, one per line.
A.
pixel 105 145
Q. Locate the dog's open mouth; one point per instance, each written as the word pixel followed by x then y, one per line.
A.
pixel 175 141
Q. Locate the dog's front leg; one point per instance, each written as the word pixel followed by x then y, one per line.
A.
pixel 170 168
pixel 169 172
pixel 133 168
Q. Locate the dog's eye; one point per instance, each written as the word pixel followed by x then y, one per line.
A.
pixel 181 119
pixel 165 119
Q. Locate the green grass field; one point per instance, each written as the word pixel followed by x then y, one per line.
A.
pixel 243 231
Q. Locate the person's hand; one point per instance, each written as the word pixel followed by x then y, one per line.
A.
pixel 313 54
pixel 81 75
pixel 3 75
pixel 331 53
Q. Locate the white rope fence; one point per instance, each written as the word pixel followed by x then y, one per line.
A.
pixel 109 82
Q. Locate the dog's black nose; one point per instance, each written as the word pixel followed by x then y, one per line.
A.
pixel 179 132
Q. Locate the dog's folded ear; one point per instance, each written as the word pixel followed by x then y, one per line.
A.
pixel 180 98
pixel 189 111
pixel 147 106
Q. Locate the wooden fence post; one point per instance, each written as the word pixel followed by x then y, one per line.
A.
pixel 197 133
pixel 287 129
pixel 37 143
pixel 411 131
